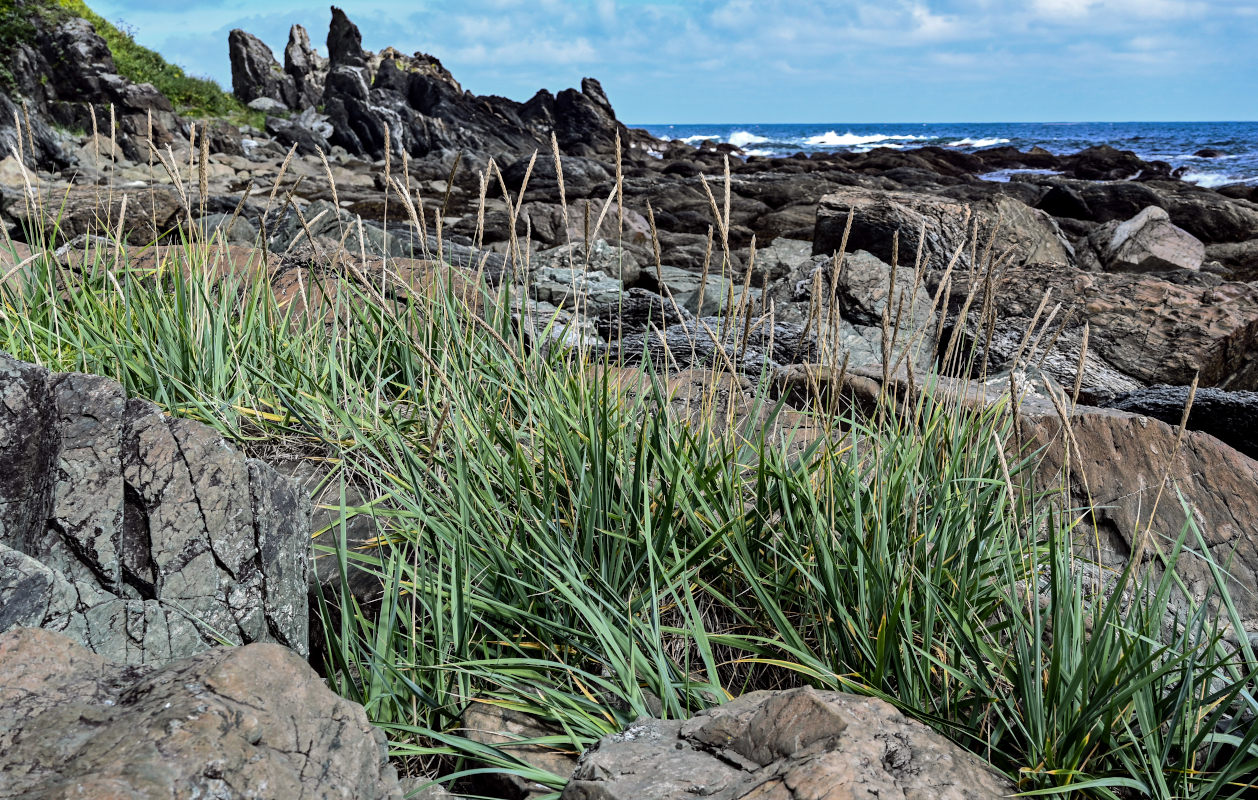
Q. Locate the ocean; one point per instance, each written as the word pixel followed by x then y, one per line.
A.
pixel 1174 142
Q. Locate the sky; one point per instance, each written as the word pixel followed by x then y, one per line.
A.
pixel 774 61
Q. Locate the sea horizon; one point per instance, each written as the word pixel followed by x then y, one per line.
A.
pixel 1210 153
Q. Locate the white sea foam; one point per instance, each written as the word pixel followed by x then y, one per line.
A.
pixel 835 139
pixel 968 142
pixel 758 152
pixel 702 137
pixel 1004 175
pixel 1210 180
pixel 744 138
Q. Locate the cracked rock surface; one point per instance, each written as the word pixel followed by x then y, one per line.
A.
pixel 143 538
pixel 240 722
pixel 799 744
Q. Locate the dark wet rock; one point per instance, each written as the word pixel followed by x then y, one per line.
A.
pixel 1064 201
pixel 1240 259
pixel 1231 417
pixel 1209 152
pixel 305 66
pixel 255 72
pixel 143 538
pixel 251 721
pixel 1106 163
pixel 790 745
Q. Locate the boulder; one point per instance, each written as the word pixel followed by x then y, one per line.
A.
pixel 1120 461
pixel 787 745
pixel 1106 163
pixel 490 724
pixel 1149 242
pixel 938 225
pixel 64 213
pixel 251 721
pixel 143 538
pixel 1143 327
pixel 255 72
pixel 861 293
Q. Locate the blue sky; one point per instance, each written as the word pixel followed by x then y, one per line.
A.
pixel 777 61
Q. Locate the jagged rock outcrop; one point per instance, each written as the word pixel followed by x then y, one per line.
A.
pixel 256 73
pixel 251 721
pixel 141 537
pixel 67 73
pixel 424 108
pixel 788 745
pixel 305 66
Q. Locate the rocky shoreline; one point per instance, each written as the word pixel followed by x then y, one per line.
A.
pixel 138 543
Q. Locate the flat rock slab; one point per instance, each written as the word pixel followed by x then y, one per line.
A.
pixel 143 538
pixel 793 745
pixel 246 722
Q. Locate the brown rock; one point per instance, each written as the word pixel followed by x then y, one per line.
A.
pixel 799 744
pixel 252 721
pixel 1120 462
pixel 1147 328
pixel 63 213
pixel 503 727
pixel 939 226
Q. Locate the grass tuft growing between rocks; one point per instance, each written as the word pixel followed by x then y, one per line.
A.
pixel 562 536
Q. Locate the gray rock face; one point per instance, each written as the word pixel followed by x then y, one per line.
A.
pixel 1149 242
pixel 252 721
pixel 143 538
pixel 256 73
pixel 787 745
pixel 306 67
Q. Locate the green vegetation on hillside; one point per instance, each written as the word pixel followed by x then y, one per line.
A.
pixel 190 95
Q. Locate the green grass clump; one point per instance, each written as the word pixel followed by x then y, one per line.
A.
pixel 555 544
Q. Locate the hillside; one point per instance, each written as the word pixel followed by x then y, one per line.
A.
pixel 28 22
